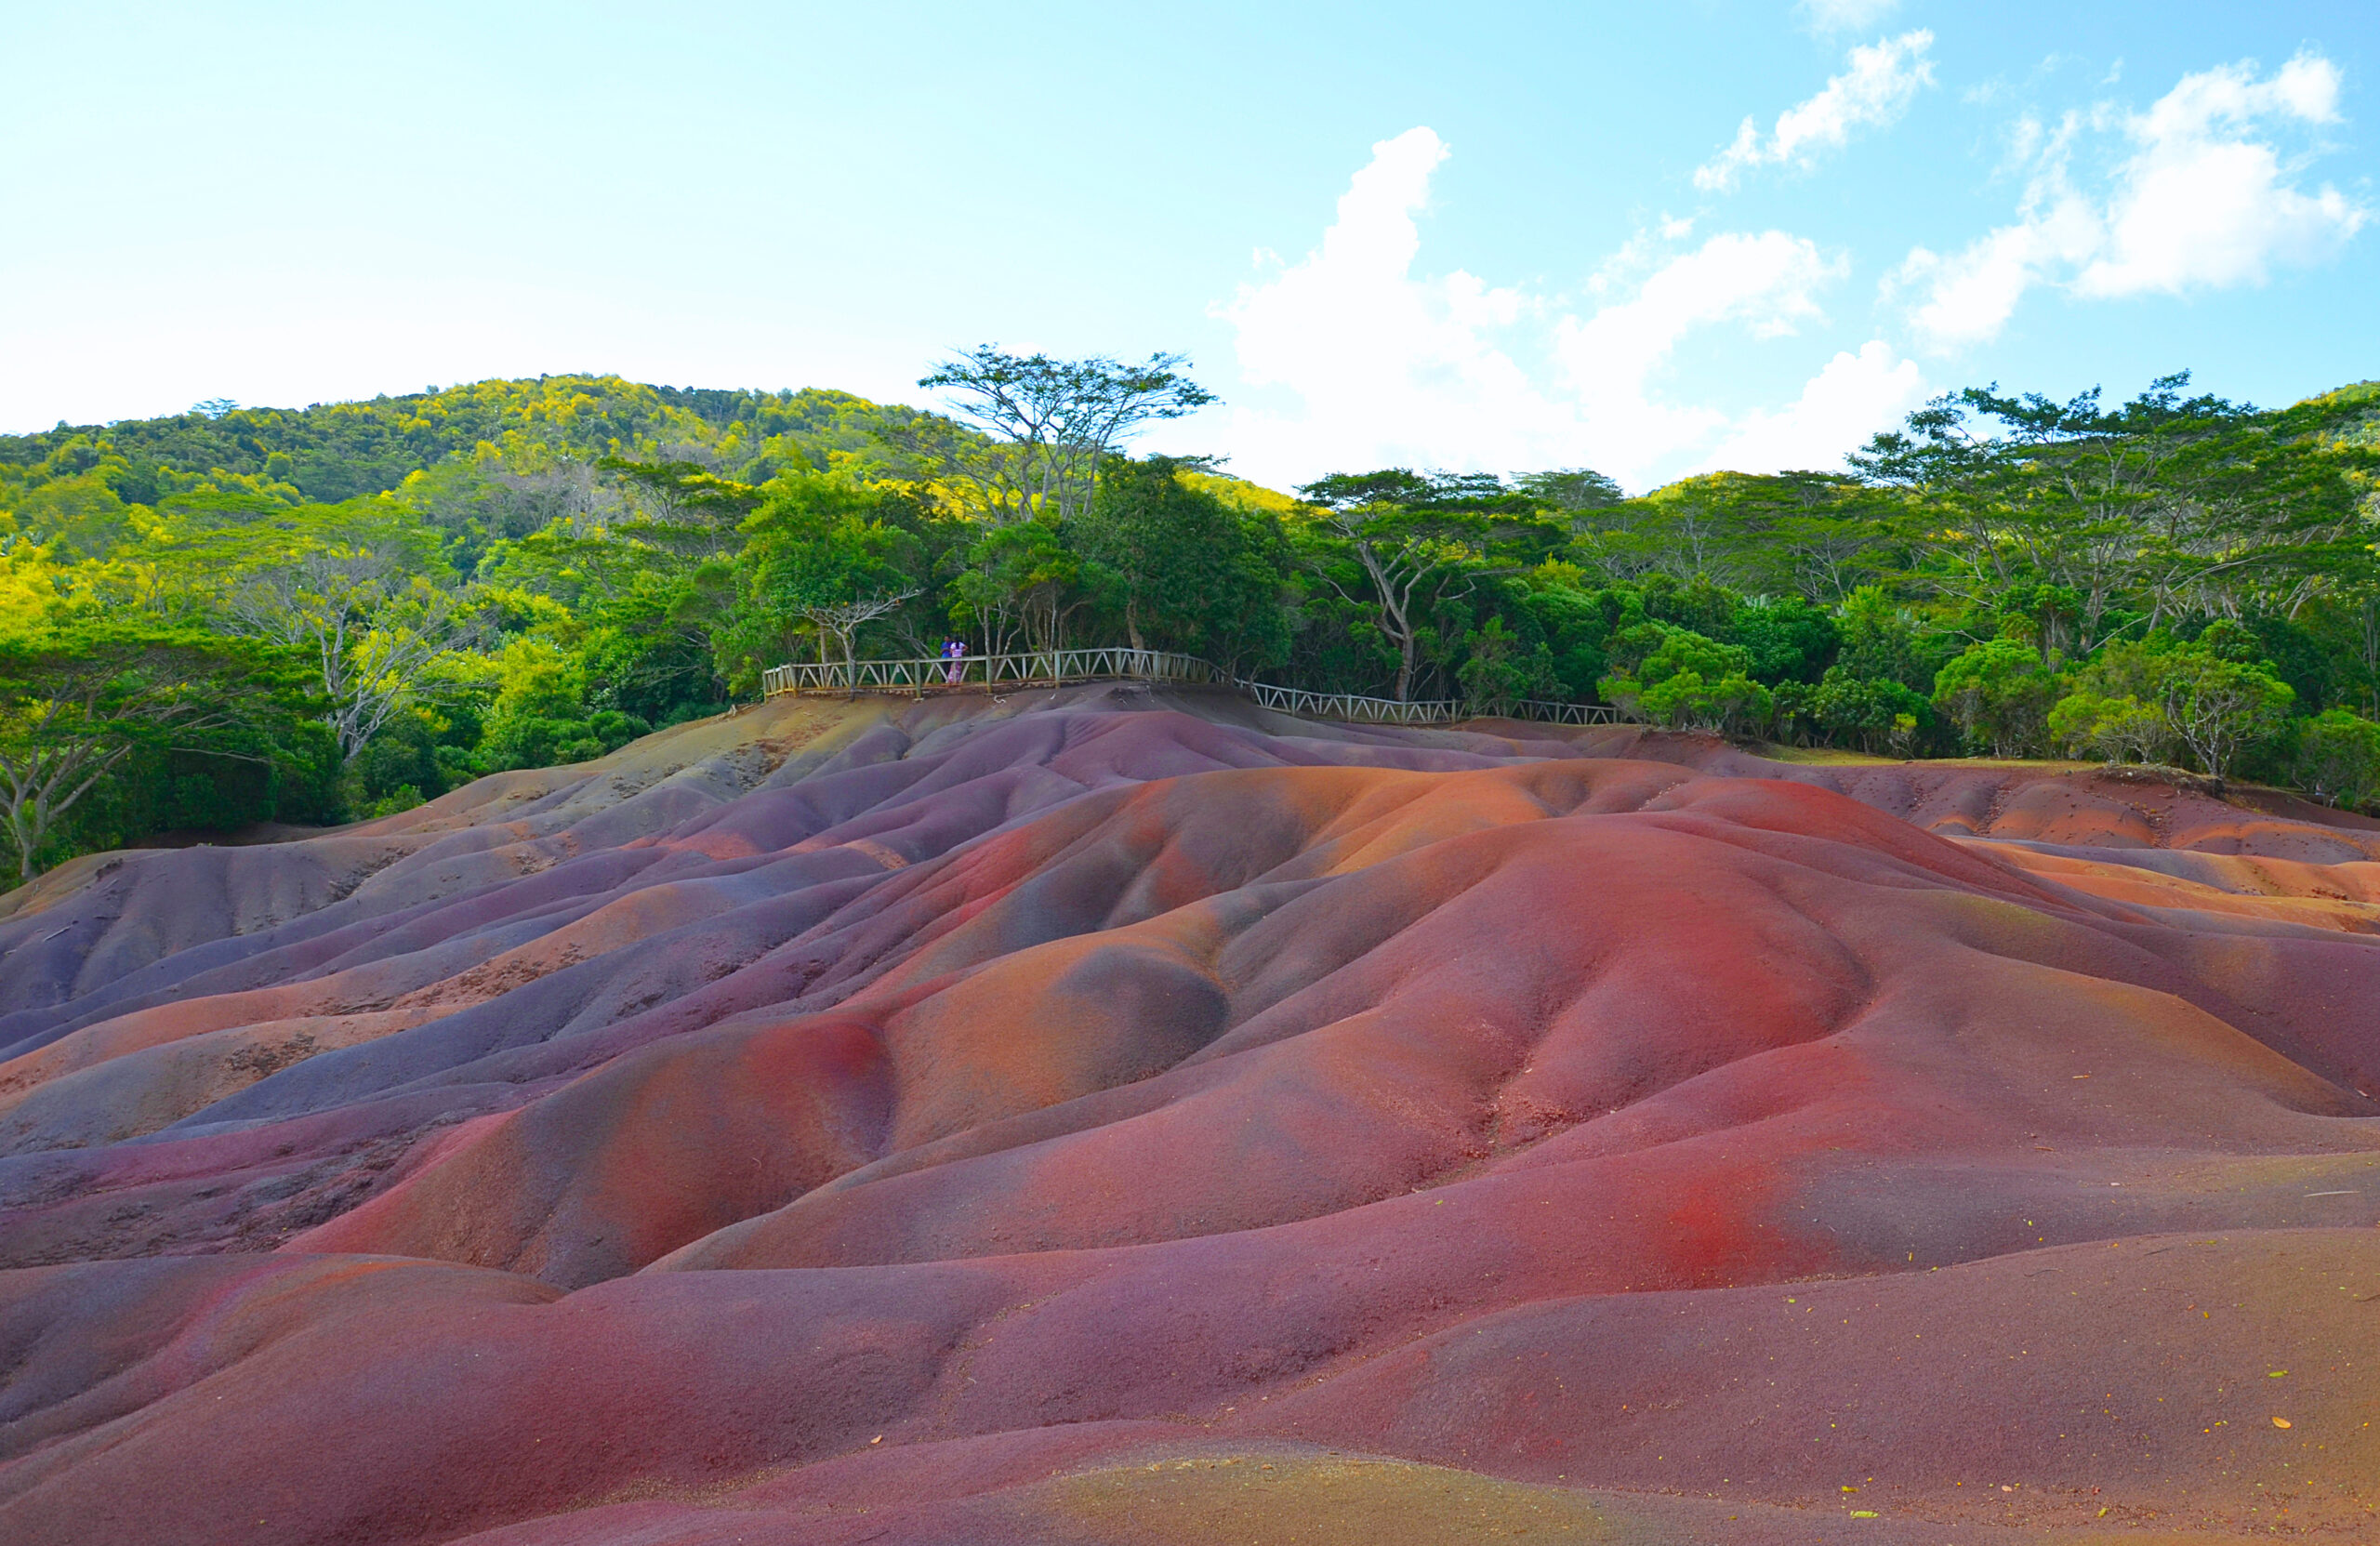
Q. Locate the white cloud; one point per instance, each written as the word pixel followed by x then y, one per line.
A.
pixel 1969 295
pixel 1847 16
pixel 1768 283
pixel 1855 396
pixel 1390 367
pixel 2202 201
pixel 2200 204
pixel 1884 78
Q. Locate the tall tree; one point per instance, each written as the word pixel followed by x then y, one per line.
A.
pixel 1023 582
pixel 1193 574
pixel 1407 555
pixel 1048 422
pixel 2167 507
pixel 817 560
pixel 1570 490
pixel 78 697
pixel 372 630
pixel 842 620
pixel 688 510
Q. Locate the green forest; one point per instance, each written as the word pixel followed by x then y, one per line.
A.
pixel 235 614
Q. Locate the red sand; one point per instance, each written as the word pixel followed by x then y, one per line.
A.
pixel 1109 1118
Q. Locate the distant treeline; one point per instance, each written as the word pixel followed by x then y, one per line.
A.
pixel 236 615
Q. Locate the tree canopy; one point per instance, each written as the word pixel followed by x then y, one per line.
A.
pixel 235 614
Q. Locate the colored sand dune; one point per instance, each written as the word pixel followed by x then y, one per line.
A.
pixel 1117 1117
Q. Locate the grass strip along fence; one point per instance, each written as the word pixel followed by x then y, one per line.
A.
pixel 982 673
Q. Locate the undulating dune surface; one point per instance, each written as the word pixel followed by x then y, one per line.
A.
pixel 1107 1116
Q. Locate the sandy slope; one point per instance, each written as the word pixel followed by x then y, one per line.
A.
pixel 1106 1116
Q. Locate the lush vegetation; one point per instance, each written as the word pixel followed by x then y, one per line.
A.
pixel 242 614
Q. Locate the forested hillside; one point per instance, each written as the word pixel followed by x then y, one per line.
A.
pixel 239 615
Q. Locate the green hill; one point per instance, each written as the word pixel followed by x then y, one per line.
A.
pixel 334 450
pixel 310 614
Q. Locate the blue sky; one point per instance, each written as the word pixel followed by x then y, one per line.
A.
pixel 1650 239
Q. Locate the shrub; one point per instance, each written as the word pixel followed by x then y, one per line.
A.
pixel 1734 705
pixel 1503 668
pixel 2159 699
pixel 404 796
pixel 1999 693
pixel 540 741
pixel 1685 680
pixel 2219 709
pixel 2120 729
pixel 403 755
pixel 2337 757
pixel 1874 714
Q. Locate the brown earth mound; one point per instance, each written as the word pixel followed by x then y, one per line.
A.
pixel 1111 1117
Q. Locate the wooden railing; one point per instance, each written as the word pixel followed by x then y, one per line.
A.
pixel 1351 706
pixel 1038 669
pixel 1057 667
pixel 1560 713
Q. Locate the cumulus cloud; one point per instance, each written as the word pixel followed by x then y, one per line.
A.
pixel 1388 367
pixel 1851 398
pixel 2201 200
pixel 1883 79
pixel 1966 298
pixel 1768 283
pixel 2202 203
